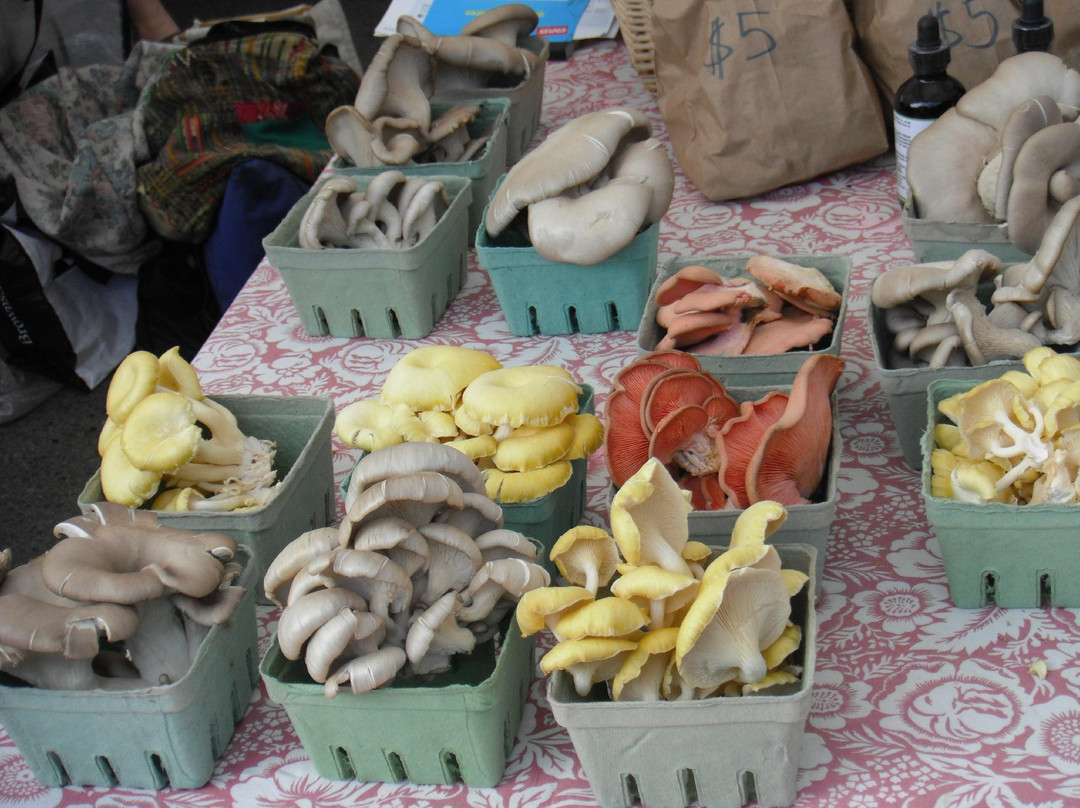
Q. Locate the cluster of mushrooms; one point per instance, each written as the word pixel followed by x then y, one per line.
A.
pixel 587 189
pixel 936 317
pixel 1014 439
pixel 393 212
pixel 391 121
pixel 671 625
pixel 420 569
pixel 726 454
pixel 120 602
pixel 781 306
pixel 1008 153
pixel 163 437
pixel 519 424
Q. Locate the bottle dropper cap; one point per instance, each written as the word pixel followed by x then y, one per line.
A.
pixel 928 54
pixel 1032 31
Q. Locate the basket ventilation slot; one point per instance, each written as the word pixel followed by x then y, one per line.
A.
pixel 572 320
pixel 1046 589
pixel 534 321
pixel 158 771
pixel 61 772
pixel 108 773
pixel 342 762
pixel 357 324
pixel 450 766
pixel 631 792
pixel 989 588
pixel 688 785
pixel 613 316
pixel 397 766
pixel 748 786
pixel 320 319
pixel 395 323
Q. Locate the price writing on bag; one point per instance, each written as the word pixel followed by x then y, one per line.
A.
pixel 752 42
pixel 953 38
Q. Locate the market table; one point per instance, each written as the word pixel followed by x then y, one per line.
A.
pixel 915 702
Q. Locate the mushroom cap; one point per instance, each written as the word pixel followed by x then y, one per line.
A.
pixel 367 672
pixel 300 619
pixel 1014 81
pixel 733 619
pixel 454 560
pixel 478 515
pixel 588 435
pixel 802 286
pixel 589 660
pixel 436 631
pixel 531 447
pixel 432 377
pixel 122 482
pixel 603 617
pixel 793 456
pixel 176 373
pixel 1031 205
pixel 415 497
pixel 571 155
pixel 653 583
pixel 400 459
pixel 133 380
pixel 505 543
pixel 740 438
pixel 586 556
pixel 757 523
pixel 507 23
pixel 523 395
pixel 53 627
pixel 513 487
pixel 294 557
pixel 367 424
pixel 161 433
pixel 544 605
pixel 501 578
pixel 649 518
pixel 346 632
pixel 641 676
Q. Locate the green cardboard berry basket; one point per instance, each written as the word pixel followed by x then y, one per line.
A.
pixel 716 752
pixel 947 241
pixel 546 518
pixel 155 737
pixel 451 727
pixel 386 293
pixel 752 371
pixel 998 554
pixel 482 171
pixel 526 98
pixel 538 296
pixel 301 427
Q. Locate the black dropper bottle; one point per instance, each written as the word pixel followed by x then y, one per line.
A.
pixel 926 96
pixel 1032 30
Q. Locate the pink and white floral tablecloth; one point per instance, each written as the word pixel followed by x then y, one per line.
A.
pixel 915 703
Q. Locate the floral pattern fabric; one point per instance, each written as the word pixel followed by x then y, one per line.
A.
pixel 916 703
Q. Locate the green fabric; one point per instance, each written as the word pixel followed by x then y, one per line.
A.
pixel 301 133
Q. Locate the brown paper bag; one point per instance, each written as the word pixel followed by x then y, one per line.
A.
pixel 758 94
pixel 978 32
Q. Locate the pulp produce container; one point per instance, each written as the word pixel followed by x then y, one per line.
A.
pixel 450 727
pixel 482 171
pixel 385 293
pixel 538 296
pixel 946 241
pixel 168 736
pixel 998 554
pixel 717 752
pixel 752 371
pixel 301 427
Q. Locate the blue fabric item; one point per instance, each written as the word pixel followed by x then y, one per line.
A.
pixel 257 197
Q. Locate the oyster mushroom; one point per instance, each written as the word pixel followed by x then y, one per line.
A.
pixel 641 676
pixel 435 636
pixel 648 519
pixel 587 661
pixel 586 556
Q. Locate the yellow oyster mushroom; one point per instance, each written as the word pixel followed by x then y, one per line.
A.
pixel 109 430
pixel 439 424
pixel 122 482
pixel 603 617
pixel 641 677
pixel 542 607
pixel 531 447
pixel 432 377
pixel 133 380
pixel 974 481
pixel 586 556
pixel 757 523
pixel 1045 394
pixel 760 556
pixel 176 373
pixel 1023 382
pixel 733 619
pixel 649 518
pixel 475 448
pixel 525 395
pixel 697 551
pixel 177 499
pixel 1064 410
pixel 587 661
pixel 947 436
pixel 1047 365
pixel 511 487
pixel 784 646
pixel 468 425
pixel 794 581
pixel 408 424
pixel 770 680
pixel 161 433
pixel 588 435
pixel 656 591
pixel 367 424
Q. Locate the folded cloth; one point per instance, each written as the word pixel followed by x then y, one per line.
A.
pixel 220 102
